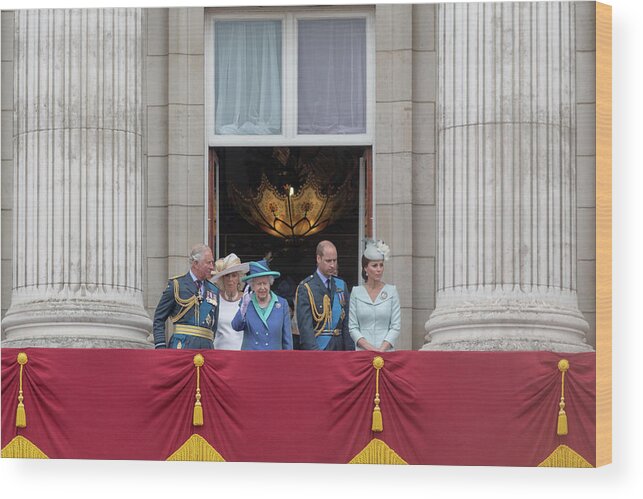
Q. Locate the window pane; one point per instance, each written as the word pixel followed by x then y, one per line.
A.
pixel 332 76
pixel 247 77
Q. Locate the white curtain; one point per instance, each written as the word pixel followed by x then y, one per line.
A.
pixel 248 77
pixel 332 76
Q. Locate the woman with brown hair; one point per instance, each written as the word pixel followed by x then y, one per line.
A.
pixel 374 310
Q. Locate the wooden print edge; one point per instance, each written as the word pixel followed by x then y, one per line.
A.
pixel 603 234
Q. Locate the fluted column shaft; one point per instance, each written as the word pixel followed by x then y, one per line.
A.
pixel 78 234
pixel 506 272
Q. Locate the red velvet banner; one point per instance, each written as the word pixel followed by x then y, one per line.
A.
pixel 449 408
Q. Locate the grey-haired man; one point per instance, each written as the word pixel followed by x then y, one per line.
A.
pixel 191 302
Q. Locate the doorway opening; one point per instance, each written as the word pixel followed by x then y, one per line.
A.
pixel 280 202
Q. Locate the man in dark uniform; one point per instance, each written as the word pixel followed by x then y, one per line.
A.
pixel 321 305
pixel 191 302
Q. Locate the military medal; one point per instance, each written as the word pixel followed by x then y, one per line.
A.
pixel 208 320
pixel 211 299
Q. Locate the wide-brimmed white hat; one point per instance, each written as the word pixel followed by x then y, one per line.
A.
pixel 228 265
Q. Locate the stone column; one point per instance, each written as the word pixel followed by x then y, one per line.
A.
pixel 506 193
pixel 78 188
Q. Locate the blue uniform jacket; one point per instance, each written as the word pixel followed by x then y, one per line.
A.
pixel 256 336
pixel 169 308
pixel 305 321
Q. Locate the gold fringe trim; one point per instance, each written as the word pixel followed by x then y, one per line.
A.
pixel 377 452
pixel 196 448
pixel 564 457
pixel 561 427
pixel 377 425
pixel 20 447
pixel 197 415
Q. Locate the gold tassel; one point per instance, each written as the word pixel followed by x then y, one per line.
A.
pixel 197 417
pixel 563 366
pixel 377 418
pixel 378 363
pixel 21 415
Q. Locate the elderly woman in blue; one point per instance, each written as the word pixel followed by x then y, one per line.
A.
pixel 374 310
pixel 263 316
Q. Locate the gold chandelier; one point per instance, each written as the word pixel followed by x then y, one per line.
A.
pixel 289 213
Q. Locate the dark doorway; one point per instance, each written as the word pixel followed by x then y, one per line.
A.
pixel 257 218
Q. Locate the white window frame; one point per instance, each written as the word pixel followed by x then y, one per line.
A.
pixel 289 18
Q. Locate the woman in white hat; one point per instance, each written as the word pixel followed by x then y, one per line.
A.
pixel 227 276
pixel 374 310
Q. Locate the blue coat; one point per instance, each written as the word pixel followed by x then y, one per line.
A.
pixel 208 313
pixel 277 335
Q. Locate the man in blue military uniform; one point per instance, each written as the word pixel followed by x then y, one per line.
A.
pixel 191 302
pixel 321 305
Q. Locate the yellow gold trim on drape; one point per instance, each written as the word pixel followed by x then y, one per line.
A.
pixel 21 415
pixel 197 416
pixel 20 447
pixel 196 448
pixel 564 457
pixel 561 428
pixel 378 363
pixel 377 452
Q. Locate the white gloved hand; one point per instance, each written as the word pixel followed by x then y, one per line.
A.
pixel 245 301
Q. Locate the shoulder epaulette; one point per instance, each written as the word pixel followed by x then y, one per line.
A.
pixel 176 277
pixel 307 279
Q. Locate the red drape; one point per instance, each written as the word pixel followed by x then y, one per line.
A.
pixel 450 408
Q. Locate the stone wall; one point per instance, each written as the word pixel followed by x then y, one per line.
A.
pixel 393 158
pixel 177 213
pixel 586 163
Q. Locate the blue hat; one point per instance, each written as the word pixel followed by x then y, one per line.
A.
pixel 259 269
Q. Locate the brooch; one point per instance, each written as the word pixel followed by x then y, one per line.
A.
pixel 277 305
pixel 384 295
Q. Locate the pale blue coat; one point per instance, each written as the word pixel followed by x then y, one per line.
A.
pixel 375 321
